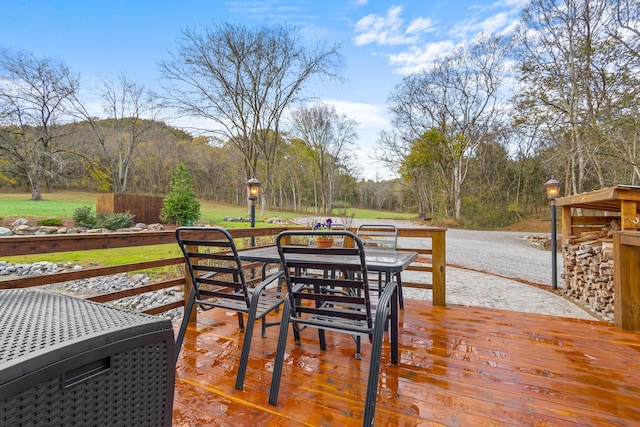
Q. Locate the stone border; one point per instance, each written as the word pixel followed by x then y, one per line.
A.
pixel 21 227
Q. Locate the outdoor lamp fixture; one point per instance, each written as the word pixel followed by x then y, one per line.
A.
pixel 553 191
pixel 553 188
pixel 253 189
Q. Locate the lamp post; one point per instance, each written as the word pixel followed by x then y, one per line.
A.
pixel 553 190
pixel 253 189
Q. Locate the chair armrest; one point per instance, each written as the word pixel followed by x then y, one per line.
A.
pixel 266 282
pixel 382 311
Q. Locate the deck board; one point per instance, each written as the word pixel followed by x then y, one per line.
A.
pixel 460 366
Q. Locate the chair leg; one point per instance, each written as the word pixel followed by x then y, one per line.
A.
pixel 240 322
pixel 400 300
pixel 282 343
pixel 188 308
pixel 296 333
pixel 372 382
pixel 244 355
pixel 382 314
pixel 393 329
pixel 248 335
pixel 322 339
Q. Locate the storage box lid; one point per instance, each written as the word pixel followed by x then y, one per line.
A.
pixel 40 328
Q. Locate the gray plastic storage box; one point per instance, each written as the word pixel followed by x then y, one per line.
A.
pixel 70 362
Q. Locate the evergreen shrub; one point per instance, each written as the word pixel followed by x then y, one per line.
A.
pixel 181 206
pixel 50 222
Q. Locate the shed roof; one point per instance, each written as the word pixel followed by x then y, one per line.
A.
pixel 606 199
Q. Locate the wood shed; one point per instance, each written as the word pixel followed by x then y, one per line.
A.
pixel 589 222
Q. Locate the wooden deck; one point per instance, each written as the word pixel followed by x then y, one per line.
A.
pixel 460 366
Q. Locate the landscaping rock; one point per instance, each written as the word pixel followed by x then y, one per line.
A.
pixel 46 230
pixel 100 285
pixel 18 222
pixel 275 220
pixel 25 230
pixel 21 227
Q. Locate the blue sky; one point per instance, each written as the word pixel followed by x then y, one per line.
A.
pixel 381 41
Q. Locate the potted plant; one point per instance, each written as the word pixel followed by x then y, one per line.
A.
pixel 323 241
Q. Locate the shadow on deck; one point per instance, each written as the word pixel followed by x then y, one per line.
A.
pixel 460 366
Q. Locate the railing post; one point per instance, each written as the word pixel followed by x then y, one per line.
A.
pixel 438 263
pixel 626 272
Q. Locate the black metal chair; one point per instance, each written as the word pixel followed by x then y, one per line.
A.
pixel 218 280
pixel 338 303
pixel 382 236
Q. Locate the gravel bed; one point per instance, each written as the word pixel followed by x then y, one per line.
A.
pixel 85 288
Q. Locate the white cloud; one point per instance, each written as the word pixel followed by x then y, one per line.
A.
pixel 383 30
pixel 420 25
pixel 372 119
pixel 364 114
pixel 417 58
pixel 493 24
pixel 500 17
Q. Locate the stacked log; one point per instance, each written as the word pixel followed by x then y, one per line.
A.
pixel 588 270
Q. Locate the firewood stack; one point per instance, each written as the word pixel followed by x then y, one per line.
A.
pixel 588 269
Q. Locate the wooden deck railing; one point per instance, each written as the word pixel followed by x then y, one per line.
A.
pixel 30 245
pixel 626 260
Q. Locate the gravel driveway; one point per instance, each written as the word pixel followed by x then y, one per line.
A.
pixel 506 253
pixel 486 268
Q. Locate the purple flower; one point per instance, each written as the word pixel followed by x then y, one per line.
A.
pixel 323 225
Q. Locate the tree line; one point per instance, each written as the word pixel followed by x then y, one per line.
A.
pixel 479 131
pixel 474 136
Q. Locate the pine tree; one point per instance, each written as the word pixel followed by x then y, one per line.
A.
pixel 181 206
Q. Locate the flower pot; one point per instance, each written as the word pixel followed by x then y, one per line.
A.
pixel 324 242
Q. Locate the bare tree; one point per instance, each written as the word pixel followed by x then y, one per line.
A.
pixel 570 75
pixel 131 111
pixel 239 81
pixel 327 135
pixel 459 96
pixel 625 25
pixel 34 96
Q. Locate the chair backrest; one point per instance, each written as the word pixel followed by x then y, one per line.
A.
pixel 213 264
pixel 383 236
pixel 338 301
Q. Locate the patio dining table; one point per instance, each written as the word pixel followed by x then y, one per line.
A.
pixel 386 261
pixel 378 260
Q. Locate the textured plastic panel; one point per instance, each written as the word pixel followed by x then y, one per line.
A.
pixel 131 393
pixel 33 320
pixel 66 361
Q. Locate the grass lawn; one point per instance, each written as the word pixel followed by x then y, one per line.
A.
pixel 53 205
pixel 61 205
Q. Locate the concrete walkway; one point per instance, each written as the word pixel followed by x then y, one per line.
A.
pixel 491 258
pixel 487 260
pixel 473 288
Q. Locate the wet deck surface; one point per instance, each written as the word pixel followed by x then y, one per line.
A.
pixel 460 366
